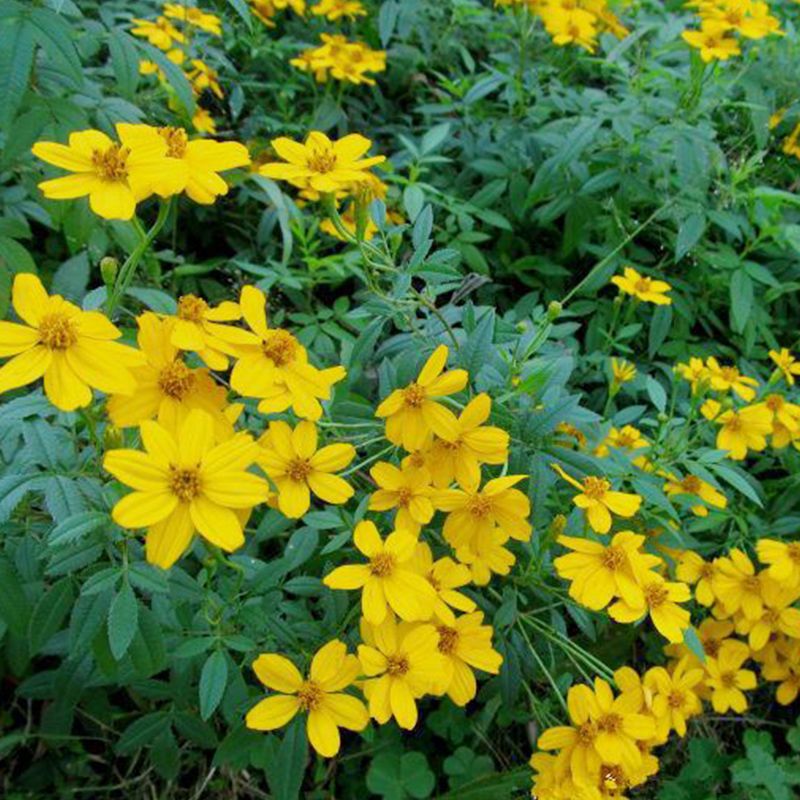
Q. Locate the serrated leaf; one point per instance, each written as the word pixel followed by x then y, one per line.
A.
pixel 48 614
pixel 77 526
pixel 122 621
pixel 16 60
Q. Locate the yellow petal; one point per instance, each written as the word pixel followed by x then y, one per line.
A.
pixel 24 368
pixel 217 524
pixel 278 673
pixel 273 712
pixel 169 539
pixel 63 387
pixel 137 470
pixel 140 509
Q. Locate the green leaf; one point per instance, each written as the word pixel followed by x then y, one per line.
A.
pixel 75 527
pixel 57 39
pixel 174 75
pixel 656 393
pixel 413 201
pixel 141 732
pixel 689 234
pixel 14 606
pixel 16 60
pixel 396 779
pixel 242 9
pixel 285 775
pixel 213 679
pixel 122 621
pixel 124 61
pixel 48 614
pixel 741 291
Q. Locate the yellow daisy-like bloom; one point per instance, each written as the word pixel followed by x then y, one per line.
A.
pixel 115 176
pixel 402 663
pixel 727 378
pixel 446 577
pixel 203 159
pixel 778 617
pixel 474 512
pixel 743 430
pixel 737 586
pixel 334 10
pixel 388 580
pixel 204 77
pixel 465 644
pixel 785 414
pixel 184 484
pixel 622 371
pixel 197 327
pixel 321 696
pixel 785 361
pixel 474 444
pixel 166 389
pixel 274 366
pixel 161 33
pixel 297 467
pixel 408 490
pixel 575 26
pixel 783 559
pixel 73 349
pixel 486 556
pixel 320 163
pixel 695 372
pixel 412 414
pixel 695 571
pixel 648 290
pixel 661 599
pixel 712 42
pixel 697 487
pixel 675 697
pixel 599 573
pixel 726 680
pixel 598 500
pixel 625 438
pixel 210 23
pixel 203 122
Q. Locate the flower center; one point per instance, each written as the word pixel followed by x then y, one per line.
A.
pixel 707 571
pixel 728 679
pixel 479 506
pixel 611 723
pixel 774 402
pixel 734 424
pixel 729 374
pixel 176 380
pixel 448 639
pixel 280 347
pixel 793 551
pixel 176 140
pixel 656 595
pixel 613 558
pixel 772 617
pixel 642 285
pixel 595 488
pixel 626 440
pixel 397 665
pixel 322 161
pixel 184 483
pixel 614 777
pixel 691 484
pixel 57 331
pixel 382 565
pixel 310 696
pixel 298 470
pixel 111 164
pixel 711 647
pixel 675 699
pixel 751 584
pixel 414 395
pixel 587 733
pixel 404 496
pixel 192 308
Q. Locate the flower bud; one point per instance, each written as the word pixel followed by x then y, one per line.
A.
pixel 112 437
pixel 109 267
pixel 554 310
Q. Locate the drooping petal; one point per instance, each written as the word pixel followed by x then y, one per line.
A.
pixel 272 713
pixel 217 524
pixel 278 673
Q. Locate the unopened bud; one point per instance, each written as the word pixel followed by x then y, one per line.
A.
pixel 109 267
pixel 662 417
pixel 554 310
pixel 112 437
pixel 558 525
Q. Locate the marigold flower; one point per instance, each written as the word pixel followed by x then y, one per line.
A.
pixel 202 77
pixel 777 617
pixel 695 372
pixel 160 33
pixel 661 599
pixel 599 501
pixel 320 696
pixel 648 290
pixel 575 26
pixel 274 366
pixel 486 556
pixel 625 438
pixel 725 378
pixel 737 586
pixel 725 679
pixel 785 361
pixel 785 415
pixel 408 490
pixel 166 389
pixel 712 42
pixel 622 371
pixel 297 467
pixel 203 122
pixel 743 430
pixel 413 413
pixel 183 483
pixel 320 163
pixel 446 577
pixel 115 176
pixel 334 10
pixel 402 663
pixel 72 349
pixel 783 559
pixel 675 698
pixel 697 487
pixel 210 23
pixel 388 580
pixel 692 569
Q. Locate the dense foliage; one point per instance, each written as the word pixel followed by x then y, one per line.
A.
pixel 400 399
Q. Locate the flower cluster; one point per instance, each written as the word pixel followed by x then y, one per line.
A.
pixel 341 60
pixel 267 10
pixel 725 23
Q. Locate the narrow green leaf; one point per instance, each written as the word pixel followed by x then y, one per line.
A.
pixel 213 679
pixel 51 610
pixel 122 621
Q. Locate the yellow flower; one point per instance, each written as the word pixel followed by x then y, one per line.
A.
pixel 402 663
pixel 737 586
pixel 265 10
pixel 661 600
pixel 341 59
pixel 675 698
pixel 692 569
pixel 485 555
pixel 648 290
pixel 726 680
pixel 474 444
pixel 203 121
pixel 334 10
pixel 165 387
pixel 183 484
pixel 413 414
pixel 473 512
pixel 203 159
pixel 71 348
pixel 297 467
pixel 599 573
pixel 320 696
pixel 695 372
pixel 786 415
pixel 210 23
pixel 622 371
pixel 388 580
pixel 743 430
pixel 575 26
pixel 725 378
pixel 446 577
pixel 785 361
pixel 197 328
pixel 161 33
pixel 465 644
pixel 320 163
pixel 408 490
pixel 712 42
pixel 114 176
pixel 783 559
pixel 692 485
pixel 274 365
pixel 625 438
pixel 778 617
pixel 204 77
pixel 599 501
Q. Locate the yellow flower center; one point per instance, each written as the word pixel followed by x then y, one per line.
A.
pixel 613 558
pixel 711 647
pixel 184 483
pixel 310 695
pixel 772 617
pixel 642 285
pixel 691 484
pixel 176 380
pixel 111 164
pixel 751 584
pixel 729 374
pixel 280 347
pixel 706 572
pixel 382 565
pixel 611 723
pixel 414 395
pixel 192 308
pixel 595 488
pixel 404 497
pixel 298 470
pixel 676 699
pixel 774 402
pixel 656 595
pixel 728 679
pixel 587 733
pixel 448 639
pixel 479 506
pixel 57 331
pixel 793 551
pixel 176 140
pixel 397 665
pixel 322 161
pixel 734 424
pixel 614 777
pixel 450 447
pixel 626 440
